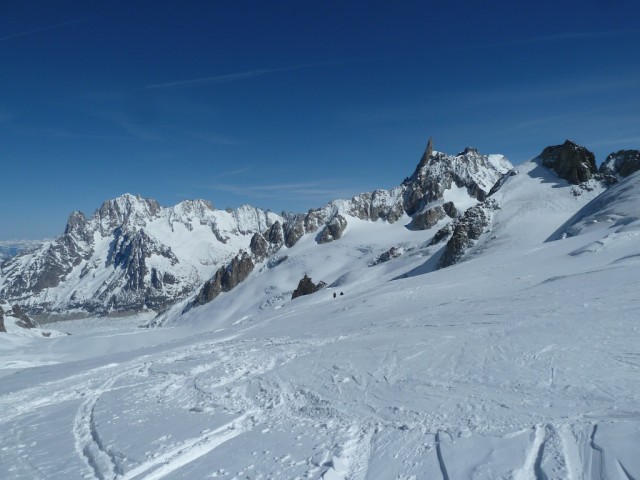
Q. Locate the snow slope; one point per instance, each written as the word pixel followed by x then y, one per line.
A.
pixel 521 362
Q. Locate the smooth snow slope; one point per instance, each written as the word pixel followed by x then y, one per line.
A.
pixel 521 362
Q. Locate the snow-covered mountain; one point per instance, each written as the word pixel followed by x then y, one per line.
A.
pixel 11 248
pixel 461 206
pixel 133 254
pixel 519 360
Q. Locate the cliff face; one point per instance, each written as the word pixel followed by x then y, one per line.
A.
pixel 570 161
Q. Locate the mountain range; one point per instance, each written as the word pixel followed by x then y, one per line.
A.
pixel 479 320
pixel 133 255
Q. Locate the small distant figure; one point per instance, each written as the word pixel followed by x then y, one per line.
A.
pixel 341 293
pixel 334 294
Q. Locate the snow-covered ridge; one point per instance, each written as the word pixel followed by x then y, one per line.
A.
pixel 11 248
pixel 441 188
pixel 616 209
pixel 130 255
pixel 133 254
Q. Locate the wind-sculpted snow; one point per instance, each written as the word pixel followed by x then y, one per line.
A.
pixel 617 210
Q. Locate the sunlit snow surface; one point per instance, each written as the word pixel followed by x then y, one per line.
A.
pixel 521 362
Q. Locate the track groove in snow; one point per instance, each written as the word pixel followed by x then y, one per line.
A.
pixel 88 443
pixel 190 450
pixel 442 465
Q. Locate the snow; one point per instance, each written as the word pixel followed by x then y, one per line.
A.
pixel 195 234
pixel 521 362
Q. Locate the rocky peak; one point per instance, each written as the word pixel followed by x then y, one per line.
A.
pixel 127 210
pixel 77 221
pixel 570 161
pixel 428 152
pixel 196 208
pixel 469 169
pixel 78 226
pixel 621 163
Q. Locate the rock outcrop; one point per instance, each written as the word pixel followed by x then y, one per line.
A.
pixel 225 279
pixel 622 163
pixel 466 230
pixel 570 161
pixel 333 230
pixel 393 252
pixel 429 217
pixel 307 287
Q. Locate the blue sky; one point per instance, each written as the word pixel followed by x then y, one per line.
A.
pixel 289 104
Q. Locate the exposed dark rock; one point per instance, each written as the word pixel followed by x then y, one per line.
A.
pixel 393 252
pixel 275 261
pixel 130 251
pixel 621 163
pixel 333 230
pixel 466 230
pixel 77 225
pixel 439 172
pixel 225 279
pixel 427 218
pixel 501 181
pixel 237 271
pixel 307 287
pixel 23 320
pixel 259 247
pixel 428 152
pixel 314 219
pixel 450 209
pixel 570 161
pixel 275 235
pixel 293 230
pixel 442 234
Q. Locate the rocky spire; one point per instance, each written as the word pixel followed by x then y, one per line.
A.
pixel 427 154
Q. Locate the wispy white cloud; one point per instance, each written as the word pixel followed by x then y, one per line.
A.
pixel 559 37
pixel 136 129
pixel 60 133
pixel 547 91
pixel 42 29
pixel 233 77
pixel 216 139
pixel 305 191
pixel 232 173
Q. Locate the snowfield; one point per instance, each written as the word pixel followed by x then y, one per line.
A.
pixel 520 362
